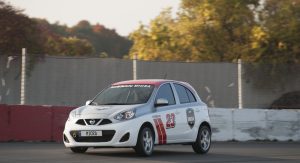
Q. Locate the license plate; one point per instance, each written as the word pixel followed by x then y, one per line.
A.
pixel 91 133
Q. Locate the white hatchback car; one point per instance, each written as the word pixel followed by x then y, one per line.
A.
pixel 140 114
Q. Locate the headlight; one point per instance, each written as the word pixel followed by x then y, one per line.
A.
pixel 72 115
pixel 126 115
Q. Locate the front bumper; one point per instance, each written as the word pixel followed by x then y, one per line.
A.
pixel 112 134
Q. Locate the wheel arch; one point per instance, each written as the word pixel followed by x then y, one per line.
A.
pixel 205 123
pixel 148 124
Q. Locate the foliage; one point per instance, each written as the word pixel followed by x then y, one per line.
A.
pixel 159 41
pixel 69 46
pixel 263 33
pixel 275 48
pixel 17 31
pixel 92 40
pixel 104 41
pixel 280 31
pixel 215 30
pixel 40 37
pixel 202 31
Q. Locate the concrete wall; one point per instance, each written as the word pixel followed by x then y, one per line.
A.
pixel 255 124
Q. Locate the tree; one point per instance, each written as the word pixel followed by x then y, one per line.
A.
pixel 104 40
pixel 159 41
pixel 277 39
pixel 203 30
pixel 57 40
pixel 17 31
pixel 70 46
pixel 275 49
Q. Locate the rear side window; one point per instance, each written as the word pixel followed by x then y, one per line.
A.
pixel 165 91
pixel 184 94
pixel 191 95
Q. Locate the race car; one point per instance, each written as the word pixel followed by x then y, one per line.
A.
pixel 140 114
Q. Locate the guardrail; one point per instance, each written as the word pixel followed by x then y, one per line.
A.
pixel 46 123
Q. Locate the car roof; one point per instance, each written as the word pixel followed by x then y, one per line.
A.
pixel 156 82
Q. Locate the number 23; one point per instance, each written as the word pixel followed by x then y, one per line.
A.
pixel 170 120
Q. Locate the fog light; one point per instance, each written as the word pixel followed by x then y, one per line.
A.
pixel 125 137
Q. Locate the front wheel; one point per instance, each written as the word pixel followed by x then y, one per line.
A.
pixel 202 143
pixel 78 149
pixel 145 142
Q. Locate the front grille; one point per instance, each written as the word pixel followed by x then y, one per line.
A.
pixel 80 122
pixel 105 122
pixel 107 135
pixel 95 121
pixel 84 122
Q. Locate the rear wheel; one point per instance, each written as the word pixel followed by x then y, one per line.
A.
pixel 79 149
pixel 202 143
pixel 145 142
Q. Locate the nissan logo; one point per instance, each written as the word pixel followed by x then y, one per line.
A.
pixel 92 121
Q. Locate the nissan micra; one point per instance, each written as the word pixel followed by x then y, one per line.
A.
pixel 140 114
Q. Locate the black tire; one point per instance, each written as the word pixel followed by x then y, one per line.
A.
pixel 203 141
pixel 78 149
pixel 145 142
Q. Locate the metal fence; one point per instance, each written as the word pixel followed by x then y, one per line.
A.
pixel 71 81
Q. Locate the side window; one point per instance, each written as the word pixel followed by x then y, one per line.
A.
pixel 191 95
pixel 182 94
pixel 165 91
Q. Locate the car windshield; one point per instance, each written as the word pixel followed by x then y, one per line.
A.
pixel 124 95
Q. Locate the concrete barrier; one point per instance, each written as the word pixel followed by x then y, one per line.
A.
pixel 222 126
pixel 283 125
pixel 255 124
pixel 30 123
pixel 46 123
pixel 249 124
pixel 4 123
pixel 60 116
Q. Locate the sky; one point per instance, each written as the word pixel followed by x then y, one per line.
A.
pixel 122 15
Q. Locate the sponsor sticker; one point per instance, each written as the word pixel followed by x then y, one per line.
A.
pixel 190 117
pixel 130 86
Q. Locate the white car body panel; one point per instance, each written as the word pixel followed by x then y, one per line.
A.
pixel 170 123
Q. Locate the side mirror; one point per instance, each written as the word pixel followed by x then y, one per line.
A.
pixel 161 102
pixel 88 102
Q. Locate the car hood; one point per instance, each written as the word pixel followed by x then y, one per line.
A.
pixel 104 110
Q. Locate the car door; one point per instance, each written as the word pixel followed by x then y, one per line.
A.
pixel 164 117
pixel 186 113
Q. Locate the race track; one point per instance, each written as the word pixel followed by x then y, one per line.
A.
pixel 220 152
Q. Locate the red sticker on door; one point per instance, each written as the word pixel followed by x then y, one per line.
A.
pixel 162 136
pixel 170 121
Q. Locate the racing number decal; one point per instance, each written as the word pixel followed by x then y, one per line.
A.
pixel 170 120
pixel 162 137
pixel 170 123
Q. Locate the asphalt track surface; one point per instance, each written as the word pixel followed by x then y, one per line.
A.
pixel 220 152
